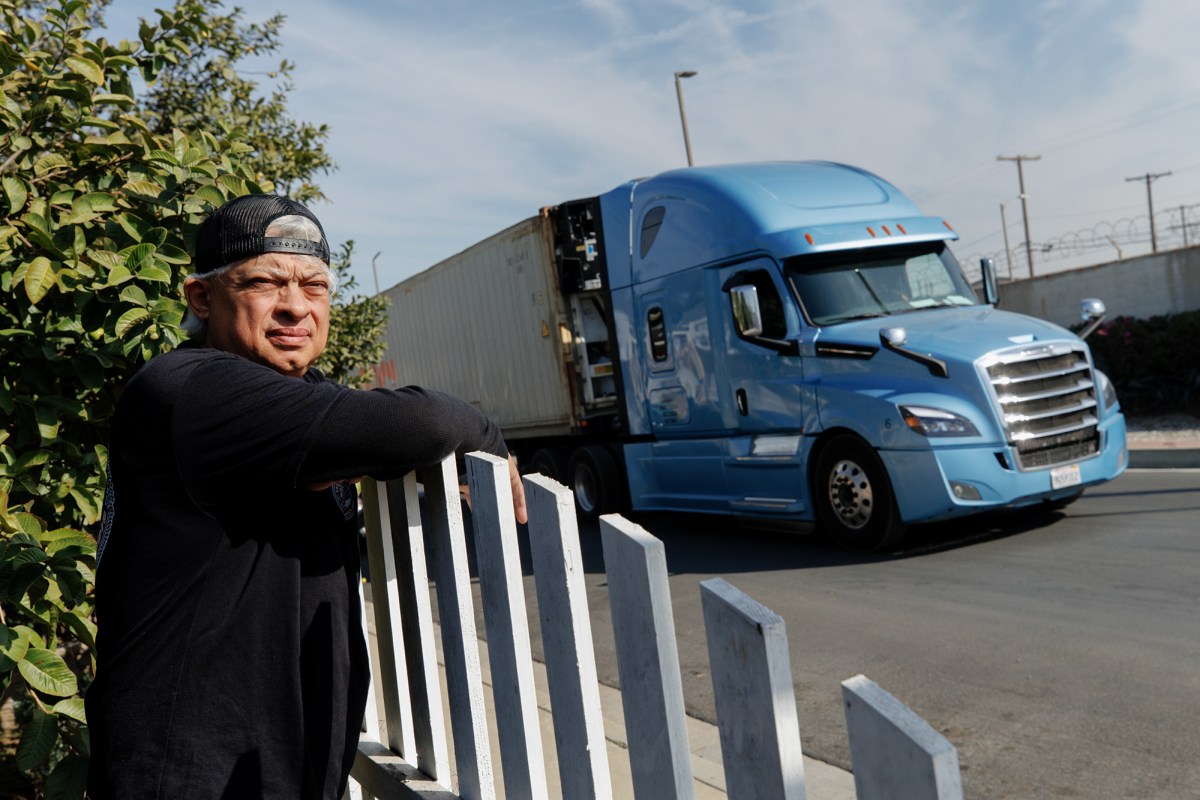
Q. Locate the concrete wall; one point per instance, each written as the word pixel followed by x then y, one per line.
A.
pixel 1147 286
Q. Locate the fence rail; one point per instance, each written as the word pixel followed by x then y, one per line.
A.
pixel 404 753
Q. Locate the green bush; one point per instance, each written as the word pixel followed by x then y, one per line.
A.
pixel 1153 363
pixel 111 153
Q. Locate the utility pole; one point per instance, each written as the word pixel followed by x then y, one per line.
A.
pixel 1024 197
pixel 1149 179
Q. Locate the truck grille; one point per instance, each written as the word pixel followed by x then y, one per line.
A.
pixel 1047 402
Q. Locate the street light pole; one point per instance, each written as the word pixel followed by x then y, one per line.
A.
pixel 374 272
pixel 687 142
pixel 1024 197
pixel 1149 179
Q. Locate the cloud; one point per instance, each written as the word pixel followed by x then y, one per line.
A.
pixel 451 121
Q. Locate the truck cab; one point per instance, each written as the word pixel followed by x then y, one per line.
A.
pixel 796 341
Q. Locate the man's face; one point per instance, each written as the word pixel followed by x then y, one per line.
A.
pixel 273 309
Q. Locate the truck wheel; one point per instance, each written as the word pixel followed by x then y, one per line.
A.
pixel 853 496
pixel 549 461
pixel 595 480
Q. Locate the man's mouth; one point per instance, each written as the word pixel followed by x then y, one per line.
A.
pixel 289 337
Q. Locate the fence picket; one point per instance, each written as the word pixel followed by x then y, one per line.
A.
pixel 460 645
pixel 896 754
pixel 416 622
pixel 503 595
pixel 648 661
pixel 567 640
pixel 392 674
pixel 755 699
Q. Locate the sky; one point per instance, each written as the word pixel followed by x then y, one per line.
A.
pixel 452 120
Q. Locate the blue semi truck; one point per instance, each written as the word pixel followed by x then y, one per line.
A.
pixel 776 341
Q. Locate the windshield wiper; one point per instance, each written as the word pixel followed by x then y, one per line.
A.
pixel 871 315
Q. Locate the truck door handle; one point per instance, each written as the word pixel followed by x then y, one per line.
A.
pixel 742 406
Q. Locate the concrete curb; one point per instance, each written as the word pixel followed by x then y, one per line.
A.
pixel 1177 450
pixel 1164 458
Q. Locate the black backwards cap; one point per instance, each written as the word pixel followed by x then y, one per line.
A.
pixel 238 230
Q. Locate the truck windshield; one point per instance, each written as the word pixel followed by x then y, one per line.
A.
pixel 859 284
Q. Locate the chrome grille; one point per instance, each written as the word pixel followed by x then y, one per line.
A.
pixel 1047 402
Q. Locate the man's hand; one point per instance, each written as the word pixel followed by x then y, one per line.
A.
pixel 518 492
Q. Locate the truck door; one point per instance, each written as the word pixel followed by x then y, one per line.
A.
pixel 682 468
pixel 763 464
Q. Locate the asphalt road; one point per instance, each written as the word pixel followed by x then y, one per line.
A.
pixel 1058 651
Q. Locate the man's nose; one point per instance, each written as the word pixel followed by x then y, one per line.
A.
pixel 292 300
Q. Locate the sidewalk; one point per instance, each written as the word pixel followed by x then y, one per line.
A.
pixel 822 781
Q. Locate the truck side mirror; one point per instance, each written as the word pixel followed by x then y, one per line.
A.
pixel 991 295
pixel 1091 311
pixel 747 315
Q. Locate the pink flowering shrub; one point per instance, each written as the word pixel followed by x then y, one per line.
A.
pixel 1153 363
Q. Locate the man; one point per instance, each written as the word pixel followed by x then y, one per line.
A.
pixel 232 660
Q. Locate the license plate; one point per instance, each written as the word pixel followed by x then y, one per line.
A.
pixel 1062 477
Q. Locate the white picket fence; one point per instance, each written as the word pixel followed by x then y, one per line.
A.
pixel 405 752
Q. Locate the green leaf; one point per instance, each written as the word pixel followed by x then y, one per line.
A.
pixel 49 162
pixel 234 185
pixel 48 422
pixel 81 211
pixel 118 275
pixel 134 256
pixel 71 707
pixel 37 740
pixel 154 273
pixel 68 781
pixel 15 191
pixel 130 319
pixel 211 195
pixel 27 460
pixel 81 625
pixel 164 156
pixel 134 294
pixel 12 648
pixel 39 278
pixel 56 540
pixel 113 99
pixel 90 70
pixel 172 254
pixel 45 671
pixel 143 187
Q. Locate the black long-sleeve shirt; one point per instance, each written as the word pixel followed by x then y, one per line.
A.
pixel 231 656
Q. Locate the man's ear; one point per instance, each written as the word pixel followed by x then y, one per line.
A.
pixel 195 291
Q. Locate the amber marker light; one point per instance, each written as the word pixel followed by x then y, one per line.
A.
pixel 808 238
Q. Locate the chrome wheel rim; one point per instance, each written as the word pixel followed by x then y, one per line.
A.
pixel 850 494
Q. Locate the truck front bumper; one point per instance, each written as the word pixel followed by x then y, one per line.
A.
pixel 942 482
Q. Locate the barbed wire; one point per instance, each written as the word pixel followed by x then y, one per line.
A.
pixel 1173 228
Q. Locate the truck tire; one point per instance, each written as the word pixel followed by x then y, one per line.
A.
pixel 594 478
pixel 549 461
pixel 853 496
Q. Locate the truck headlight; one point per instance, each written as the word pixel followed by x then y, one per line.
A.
pixel 935 422
pixel 1107 391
